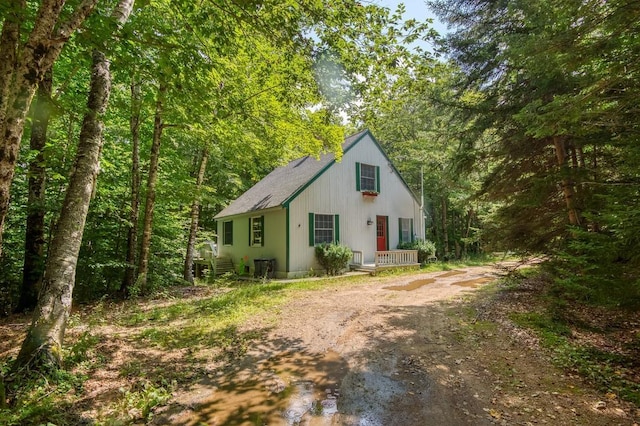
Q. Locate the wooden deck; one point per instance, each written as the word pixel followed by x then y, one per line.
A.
pixel 219 266
pixel 385 260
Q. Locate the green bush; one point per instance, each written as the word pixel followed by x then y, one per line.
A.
pixel 426 249
pixel 333 257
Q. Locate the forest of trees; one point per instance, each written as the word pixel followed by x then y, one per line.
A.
pixel 127 125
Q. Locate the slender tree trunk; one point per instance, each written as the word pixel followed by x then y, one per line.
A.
pixel 195 216
pixel 457 233
pixel 37 55
pixel 467 231
pixel 35 237
pixel 445 230
pixel 568 189
pixel 132 238
pixel 145 244
pixel 42 346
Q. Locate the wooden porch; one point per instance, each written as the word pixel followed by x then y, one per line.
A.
pixel 385 260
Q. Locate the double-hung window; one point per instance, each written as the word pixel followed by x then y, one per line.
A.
pixel 367 178
pixel 323 228
pixel 256 231
pixel 227 233
pixel 405 227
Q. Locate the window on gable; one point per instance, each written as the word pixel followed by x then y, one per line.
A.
pixel 323 228
pixel 367 178
pixel 227 233
pixel 256 231
pixel 406 230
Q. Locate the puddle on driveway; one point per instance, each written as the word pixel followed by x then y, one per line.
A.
pixel 473 283
pixel 450 274
pixel 413 285
pixel 287 389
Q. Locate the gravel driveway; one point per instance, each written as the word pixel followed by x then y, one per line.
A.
pixel 403 350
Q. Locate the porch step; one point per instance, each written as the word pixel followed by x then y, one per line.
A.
pixel 223 265
pixel 363 268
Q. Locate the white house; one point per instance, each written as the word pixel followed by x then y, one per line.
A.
pixel 360 201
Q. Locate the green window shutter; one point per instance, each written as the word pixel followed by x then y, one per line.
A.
pixel 311 229
pixel 336 228
pixel 262 227
pixel 227 233
pixel 386 219
pixel 378 179
pixel 412 238
pixel 250 232
pixel 399 230
pixel 357 176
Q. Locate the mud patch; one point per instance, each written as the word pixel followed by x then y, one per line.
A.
pixel 450 274
pixel 285 389
pixel 413 285
pixel 473 283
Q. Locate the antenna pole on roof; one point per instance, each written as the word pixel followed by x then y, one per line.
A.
pixel 424 218
pixel 422 190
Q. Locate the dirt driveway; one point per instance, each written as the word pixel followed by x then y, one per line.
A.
pixel 393 351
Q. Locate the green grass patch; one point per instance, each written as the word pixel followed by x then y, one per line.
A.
pixel 456 264
pixel 136 404
pixel 36 399
pixel 234 305
pixel 213 322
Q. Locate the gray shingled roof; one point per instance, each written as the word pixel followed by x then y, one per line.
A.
pixel 282 183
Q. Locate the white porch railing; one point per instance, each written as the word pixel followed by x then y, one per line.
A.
pixel 358 258
pixel 396 257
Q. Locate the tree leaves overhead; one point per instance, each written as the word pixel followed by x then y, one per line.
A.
pixel 243 81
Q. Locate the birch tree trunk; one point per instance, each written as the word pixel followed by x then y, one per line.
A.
pixel 132 238
pixel 195 216
pixel 44 340
pixel 42 346
pixel 34 57
pixel 35 237
pixel 152 179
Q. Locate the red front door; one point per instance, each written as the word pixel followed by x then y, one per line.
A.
pixel 381 232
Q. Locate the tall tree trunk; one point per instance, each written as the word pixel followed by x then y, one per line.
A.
pixel 445 230
pixel 195 216
pixel 9 39
pixel 42 346
pixel 35 236
pixel 37 55
pixel 132 238
pixel 568 189
pixel 467 231
pixel 456 222
pixel 152 179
